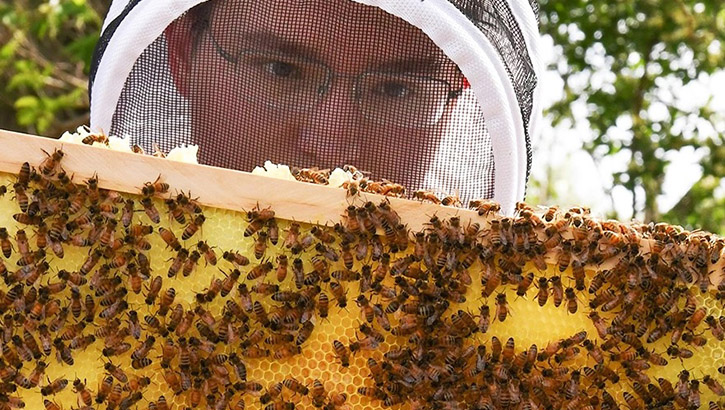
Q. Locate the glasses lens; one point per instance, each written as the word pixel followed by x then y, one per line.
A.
pixel 400 99
pixel 280 81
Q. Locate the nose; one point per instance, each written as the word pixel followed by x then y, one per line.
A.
pixel 329 131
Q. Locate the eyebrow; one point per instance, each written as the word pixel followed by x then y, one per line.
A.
pixel 428 65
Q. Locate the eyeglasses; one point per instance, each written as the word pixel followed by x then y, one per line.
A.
pixel 297 84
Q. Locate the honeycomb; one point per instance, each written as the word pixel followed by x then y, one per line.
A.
pixel 549 309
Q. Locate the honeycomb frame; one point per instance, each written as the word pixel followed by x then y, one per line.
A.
pixel 411 333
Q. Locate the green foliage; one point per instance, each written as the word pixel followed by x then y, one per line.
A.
pixel 646 45
pixel 44 63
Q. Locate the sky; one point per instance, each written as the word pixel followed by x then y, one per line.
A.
pixel 559 157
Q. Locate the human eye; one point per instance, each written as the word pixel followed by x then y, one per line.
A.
pixel 282 69
pixel 274 67
pixel 394 89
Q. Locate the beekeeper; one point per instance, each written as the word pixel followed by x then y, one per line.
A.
pixel 434 94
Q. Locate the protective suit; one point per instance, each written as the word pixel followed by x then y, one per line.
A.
pixel 440 95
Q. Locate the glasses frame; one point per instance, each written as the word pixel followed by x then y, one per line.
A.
pixel 451 93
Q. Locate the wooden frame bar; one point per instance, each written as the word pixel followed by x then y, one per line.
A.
pixel 215 187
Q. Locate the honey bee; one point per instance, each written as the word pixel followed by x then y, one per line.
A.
pixel 172 379
pixel 229 282
pixel 261 314
pixel 260 244
pixel 127 213
pixel 452 200
pixel 298 271
pixel 34 378
pixel 254 352
pixel 295 386
pixel 49 405
pixel 428 196
pixel 211 292
pixel 260 271
pixel 45 339
pixel 557 290
pixel 26 219
pixel 24 174
pixel 524 284
pixel 327 252
pixel 193 227
pixel 319 396
pixel 323 305
pixel 571 300
pixel 235 258
pixel 153 290
pixel 113 310
pixel 54 387
pixel 341 352
pixel 150 210
pixel 280 405
pixel 675 352
pixel 713 385
pixel 21 197
pixel 21 240
pixel 264 288
pixel 178 262
pixel 170 239
pixel 484 319
pixel 208 252
pixel 281 267
pixel 697 316
pixel 366 308
pixel 257 218
pixel 484 207
pixel 84 394
pixel 338 399
pixel 153 188
pixel 715 327
pixel 502 309
pixel 48 166
pixel 5 244
pixel 292 237
pixel 191 263
pixel 314 175
pixel 63 353
pixel 367 343
pixel 346 275
pixel 116 372
pixel 339 293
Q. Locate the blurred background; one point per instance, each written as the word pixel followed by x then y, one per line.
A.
pixel 634 95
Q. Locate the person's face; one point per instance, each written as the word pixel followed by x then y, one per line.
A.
pixel 236 127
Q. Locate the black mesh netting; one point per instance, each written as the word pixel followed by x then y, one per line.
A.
pixel 495 19
pixel 320 84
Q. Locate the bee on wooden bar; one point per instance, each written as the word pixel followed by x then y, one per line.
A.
pixel 48 166
pixel 153 188
pixel 428 196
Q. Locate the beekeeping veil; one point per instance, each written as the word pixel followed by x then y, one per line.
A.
pixel 434 94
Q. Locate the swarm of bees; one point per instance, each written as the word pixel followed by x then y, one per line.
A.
pixel 424 304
